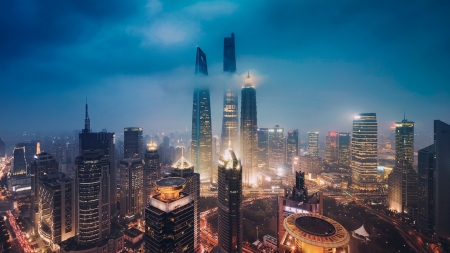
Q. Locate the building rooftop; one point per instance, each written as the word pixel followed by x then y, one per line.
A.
pixel 171 181
pixel 133 232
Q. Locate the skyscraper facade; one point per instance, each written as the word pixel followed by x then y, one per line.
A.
pixel 313 144
pixel 425 192
pixel 331 147
pixel 249 141
pixel 263 148
pixel 277 149
pixel 230 203
pixel 2 148
pixel 402 181
pixel 344 149
pixel 229 54
pixel 442 174
pixel 20 164
pixel 292 147
pixel 131 187
pixel 152 171
pixel 132 142
pixel 201 142
pixel 364 152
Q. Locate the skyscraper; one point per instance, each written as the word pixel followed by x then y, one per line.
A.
pixel 313 144
pixel 201 143
pixel 131 187
pixel 2 148
pixel 263 148
pixel 132 146
pixel 331 147
pixel 20 164
pixel 152 171
pixel 230 203
pixel 292 148
pixel 364 151
pixel 277 149
pixel 441 176
pixel 249 141
pixel 104 141
pixel 425 192
pixel 169 218
pixel 344 149
pixel 230 121
pixel 402 181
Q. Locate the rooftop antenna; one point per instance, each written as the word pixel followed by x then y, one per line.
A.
pixel 87 121
pixel 404 115
pixel 248 74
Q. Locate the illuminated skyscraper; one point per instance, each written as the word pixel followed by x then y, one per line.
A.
pixel 152 171
pixel 331 147
pixel 364 152
pixel 230 121
pixel 249 141
pixel 277 150
pixel 131 187
pixel 425 204
pixel 402 181
pixel 292 146
pixel 230 203
pixel 313 144
pixel 263 148
pixel 201 144
pixel 344 149
pixel 132 139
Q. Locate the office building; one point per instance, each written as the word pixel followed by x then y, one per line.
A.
pixel 364 152
pixel 2 149
pixel 230 213
pixel 310 164
pixel 313 144
pixel 31 148
pixel 292 147
pixel 249 141
pixel 425 191
pixel 263 148
pixel 441 176
pixel 277 148
pixel 152 171
pixel 20 164
pixel 104 141
pixel 169 218
pixel 132 142
pixel 344 146
pixel 201 142
pixel 402 181
pixel 331 147
pixel 131 187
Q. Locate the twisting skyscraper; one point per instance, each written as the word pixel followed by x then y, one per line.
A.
pixel 230 121
pixel 249 141
pixel 230 203
pixel 201 143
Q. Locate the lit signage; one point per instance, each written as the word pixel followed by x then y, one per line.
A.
pixel 291 209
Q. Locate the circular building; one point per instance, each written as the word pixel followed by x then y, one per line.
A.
pixel 311 233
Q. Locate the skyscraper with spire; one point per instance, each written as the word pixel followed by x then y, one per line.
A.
pixel 201 142
pixel 249 141
pixel 230 121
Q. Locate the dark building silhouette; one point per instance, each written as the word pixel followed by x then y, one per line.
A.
pixel 20 164
pixel 263 148
pixel 425 192
pixel 152 171
pixel 2 148
pixel 229 54
pixel 105 142
pixel 132 146
pixel 131 187
pixel 292 147
pixel 201 142
pixel 249 141
pixel 230 213
pixel 344 145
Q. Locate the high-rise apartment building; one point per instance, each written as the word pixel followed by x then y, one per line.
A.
pixel 313 144
pixel 132 142
pixel 344 145
pixel 331 147
pixel 277 149
pixel 425 190
pixel 292 147
pixel 169 218
pixel 402 181
pixel 201 142
pixel 152 171
pixel 230 203
pixel 263 148
pixel 442 174
pixel 364 151
pixel 20 164
pixel 131 187
pixel 249 141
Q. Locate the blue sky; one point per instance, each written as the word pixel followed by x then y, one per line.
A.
pixel 314 63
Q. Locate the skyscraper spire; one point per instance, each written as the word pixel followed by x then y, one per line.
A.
pixel 87 121
pixel 248 74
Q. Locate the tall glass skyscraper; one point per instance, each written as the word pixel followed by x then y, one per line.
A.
pixel 131 187
pixel 277 149
pixel 425 204
pixel 263 148
pixel 313 144
pixel 331 147
pixel 292 146
pixel 2 148
pixel 344 149
pixel 132 142
pixel 230 121
pixel 201 143
pixel 364 151
pixel 152 171
pixel 249 141
pixel 20 164
pixel 230 203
